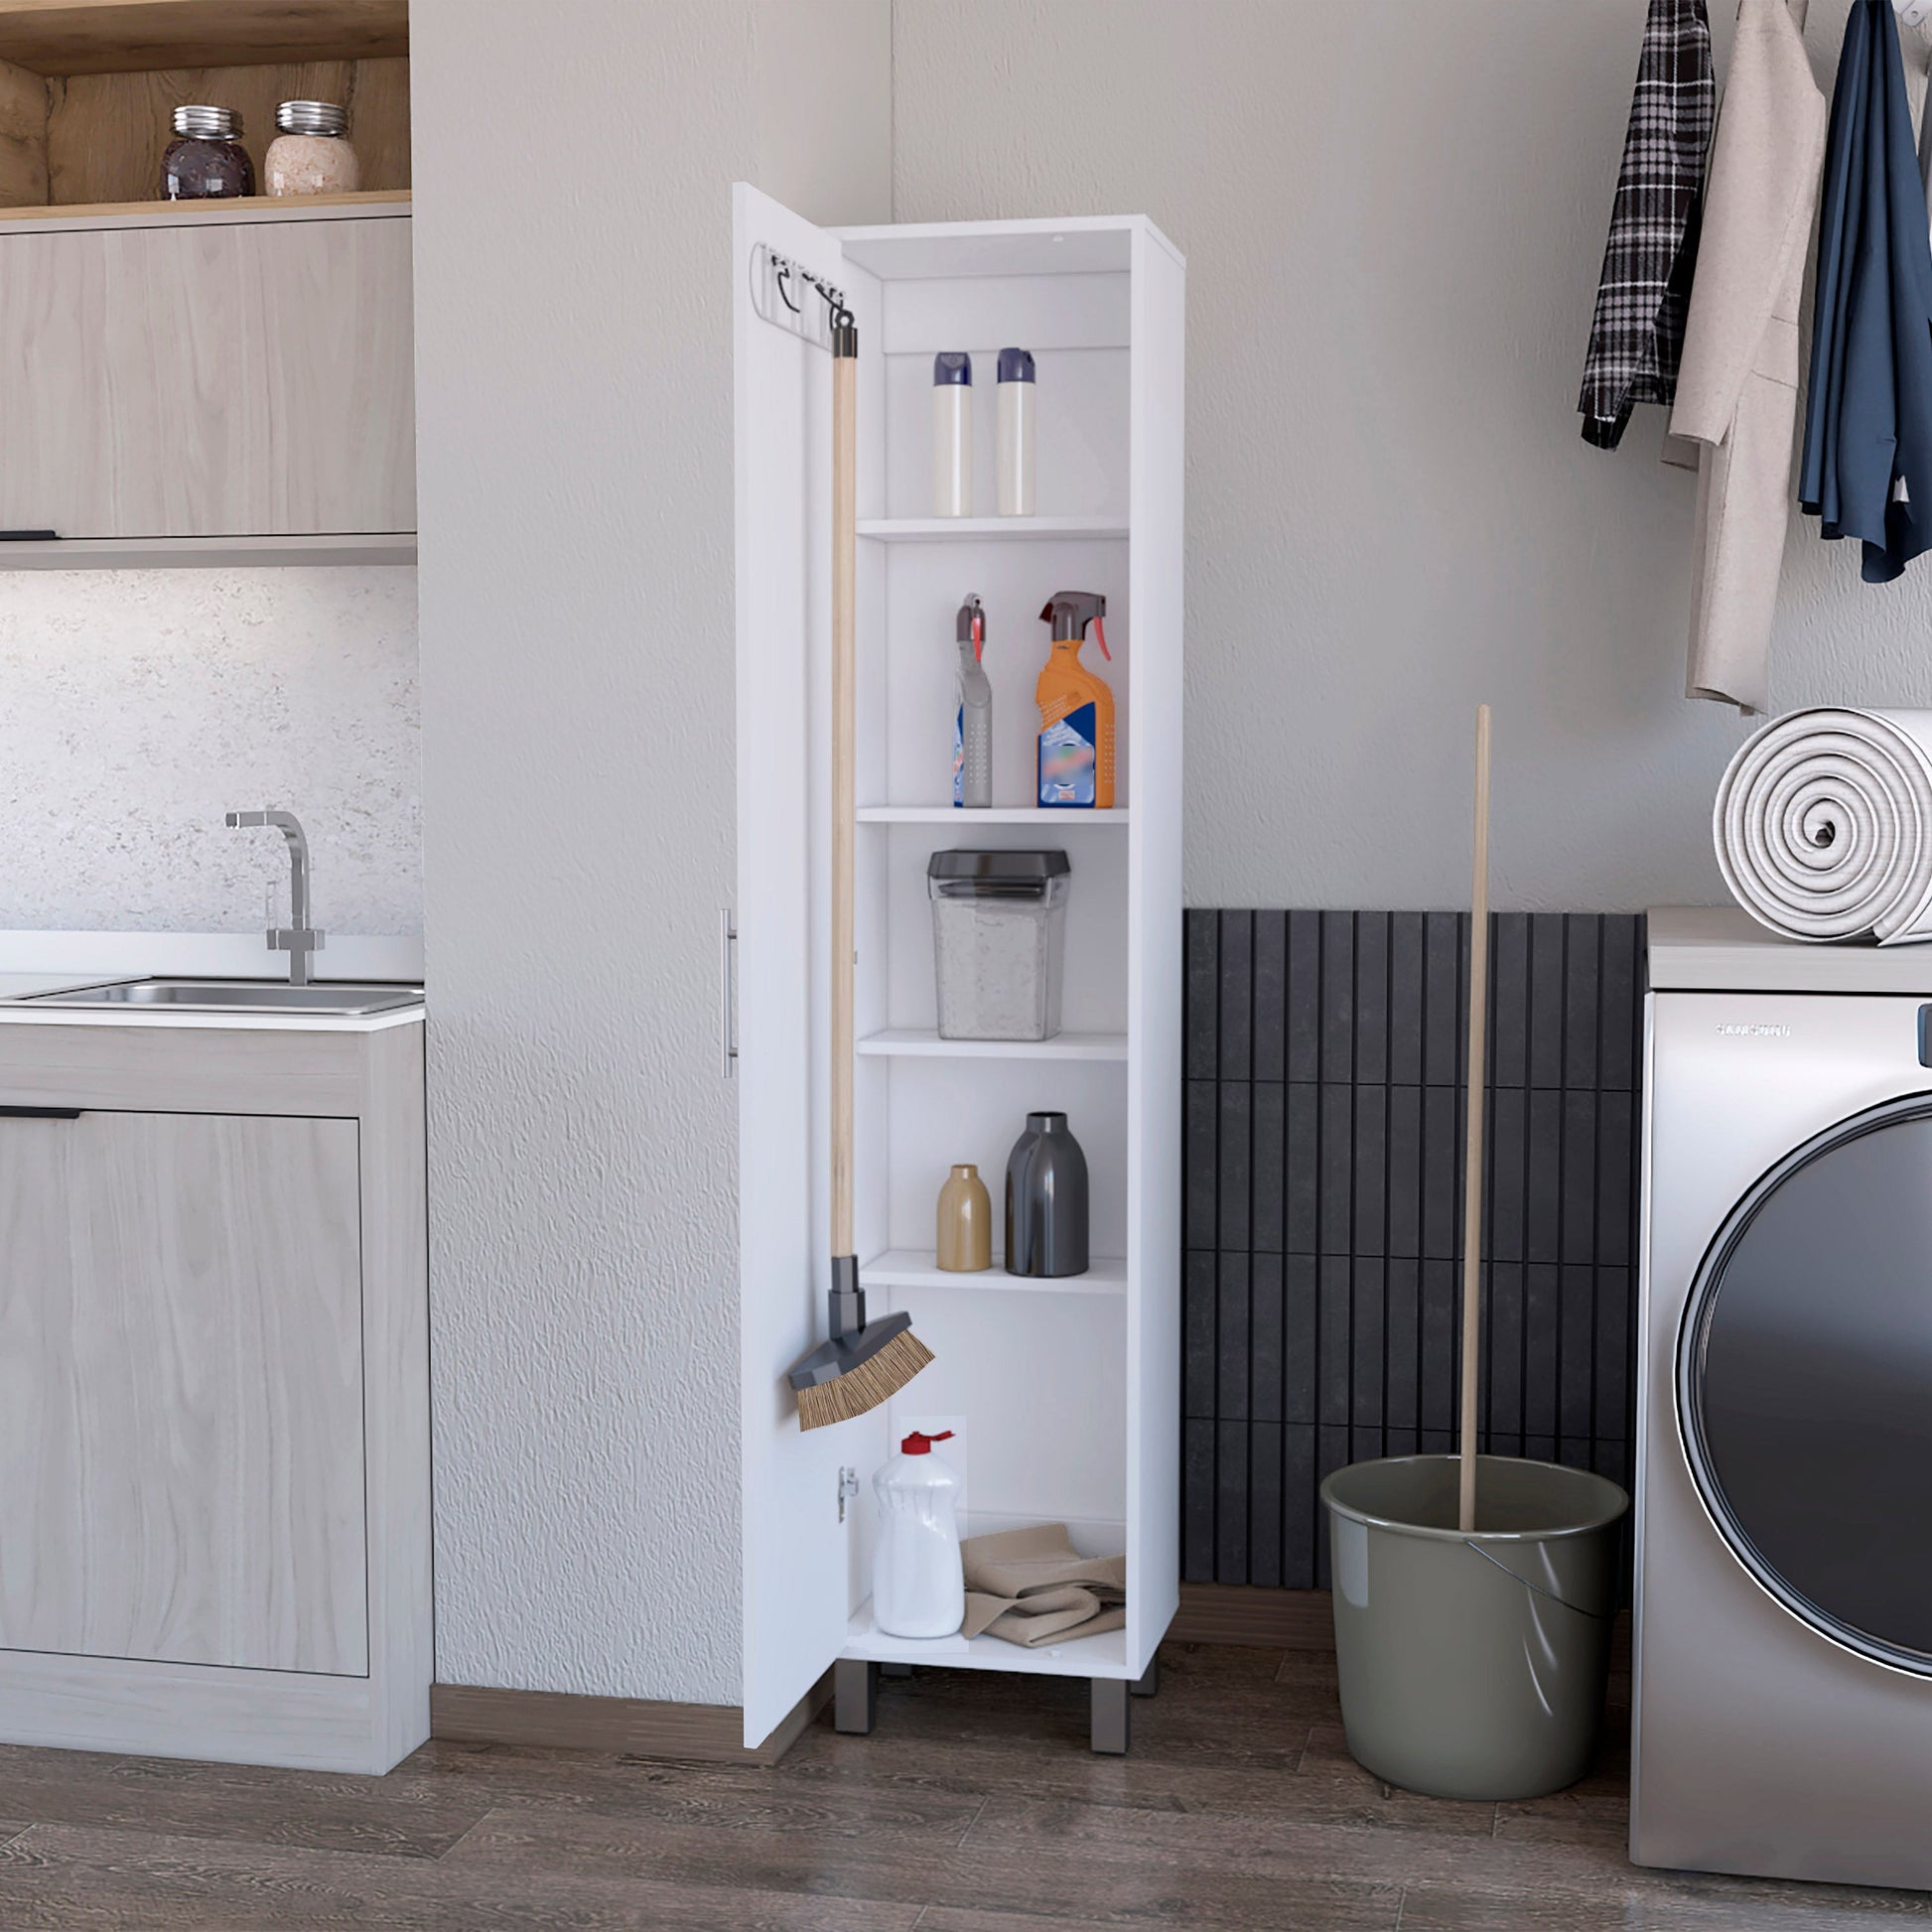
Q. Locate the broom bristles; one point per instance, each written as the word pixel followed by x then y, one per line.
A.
pixel 877 1379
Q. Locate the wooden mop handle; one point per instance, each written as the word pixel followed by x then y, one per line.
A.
pixel 845 669
pixel 1472 1174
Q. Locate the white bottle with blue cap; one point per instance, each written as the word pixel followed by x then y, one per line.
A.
pixel 952 432
pixel 1015 391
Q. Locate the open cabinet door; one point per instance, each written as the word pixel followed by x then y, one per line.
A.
pixel 795 1561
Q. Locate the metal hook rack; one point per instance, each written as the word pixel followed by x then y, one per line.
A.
pixel 780 288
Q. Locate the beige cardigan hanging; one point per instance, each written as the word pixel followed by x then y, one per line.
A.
pixel 1738 388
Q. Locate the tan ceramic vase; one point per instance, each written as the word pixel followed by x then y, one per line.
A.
pixel 965 1222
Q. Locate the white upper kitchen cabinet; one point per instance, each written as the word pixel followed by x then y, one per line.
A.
pixel 1063 1396
pixel 198 383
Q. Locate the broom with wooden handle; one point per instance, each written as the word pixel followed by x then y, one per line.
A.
pixel 1473 1171
pixel 864 1363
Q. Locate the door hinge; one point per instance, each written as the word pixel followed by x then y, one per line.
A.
pixel 848 1489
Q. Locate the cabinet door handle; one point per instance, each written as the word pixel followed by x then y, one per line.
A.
pixel 30 536
pixel 726 1005
pixel 40 1112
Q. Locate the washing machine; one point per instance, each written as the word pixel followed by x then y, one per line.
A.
pixel 1782 1693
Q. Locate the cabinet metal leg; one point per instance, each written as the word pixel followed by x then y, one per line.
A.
pixel 855 1695
pixel 1112 1716
pixel 1146 1687
pixel 895 1670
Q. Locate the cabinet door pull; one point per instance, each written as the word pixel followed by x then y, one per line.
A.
pixel 40 1112
pixel 30 536
pixel 727 1003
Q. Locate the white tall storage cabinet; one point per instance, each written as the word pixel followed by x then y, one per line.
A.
pixel 1063 1396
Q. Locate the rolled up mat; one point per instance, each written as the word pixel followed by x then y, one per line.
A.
pixel 1824 825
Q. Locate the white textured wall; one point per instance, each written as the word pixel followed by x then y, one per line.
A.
pixel 575 494
pixel 137 707
pixel 1393 216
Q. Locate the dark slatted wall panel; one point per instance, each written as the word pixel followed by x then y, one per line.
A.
pixel 1323 1188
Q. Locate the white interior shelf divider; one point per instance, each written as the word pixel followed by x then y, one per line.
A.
pixel 1047 821
pixel 995 529
pixel 1101 1656
pixel 1062 1395
pixel 919 1268
pixel 926 1041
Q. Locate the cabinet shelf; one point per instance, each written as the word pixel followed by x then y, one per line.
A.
pixel 1101 1656
pixel 117 36
pixel 923 1041
pixel 980 530
pixel 996 815
pixel 212 213
pixel 919 1268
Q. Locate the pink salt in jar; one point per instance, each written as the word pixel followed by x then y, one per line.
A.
pixel 310 155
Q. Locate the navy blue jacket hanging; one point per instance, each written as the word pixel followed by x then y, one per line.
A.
pixel 1868 417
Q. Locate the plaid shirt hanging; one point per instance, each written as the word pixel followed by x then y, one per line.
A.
pixel 1644 291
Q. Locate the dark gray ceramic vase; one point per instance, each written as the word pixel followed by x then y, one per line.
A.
pixel 1047 1200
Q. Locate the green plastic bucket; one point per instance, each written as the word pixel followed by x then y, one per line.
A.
pixel 1473 1666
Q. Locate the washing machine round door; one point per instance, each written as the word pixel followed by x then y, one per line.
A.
pixel 1805 1382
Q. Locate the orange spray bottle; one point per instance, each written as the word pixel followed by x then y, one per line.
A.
pixel 1076 709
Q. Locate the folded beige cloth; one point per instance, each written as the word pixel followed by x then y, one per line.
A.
pixel 1031 1586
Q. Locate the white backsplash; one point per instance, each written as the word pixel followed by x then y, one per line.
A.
pixel 137 707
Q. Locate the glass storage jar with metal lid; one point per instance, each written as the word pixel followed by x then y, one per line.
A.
pixel 206 159
pixel 312 154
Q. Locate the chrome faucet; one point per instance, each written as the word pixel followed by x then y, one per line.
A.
pixel 299 939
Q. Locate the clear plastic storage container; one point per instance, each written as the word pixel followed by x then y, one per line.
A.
pixel 999 942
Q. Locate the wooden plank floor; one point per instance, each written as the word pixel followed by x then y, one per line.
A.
pixel 975 1806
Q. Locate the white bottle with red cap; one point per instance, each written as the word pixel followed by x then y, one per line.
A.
pixel 918 1586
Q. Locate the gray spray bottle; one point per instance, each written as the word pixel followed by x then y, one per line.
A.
pixel 972 729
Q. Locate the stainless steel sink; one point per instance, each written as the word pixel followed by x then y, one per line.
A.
pixel 236 995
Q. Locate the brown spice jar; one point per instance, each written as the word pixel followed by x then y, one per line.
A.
pixel 206 159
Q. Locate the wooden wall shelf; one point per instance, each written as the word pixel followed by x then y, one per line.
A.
pixel 251 208
pixel 87 93
pixel 54 36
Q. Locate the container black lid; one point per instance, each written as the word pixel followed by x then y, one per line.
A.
pixel 997 868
